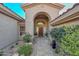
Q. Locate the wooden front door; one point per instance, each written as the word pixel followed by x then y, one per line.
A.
pixel 40 31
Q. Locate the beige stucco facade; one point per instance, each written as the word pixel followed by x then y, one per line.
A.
pixel 9 27
pixel 69 18
pixel 9 31
pixel 51 10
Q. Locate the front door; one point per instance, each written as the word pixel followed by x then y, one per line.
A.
pixel 40 32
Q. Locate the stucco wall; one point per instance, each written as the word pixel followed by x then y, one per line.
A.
pixel 8 30
pixel 31 13
pixel 70 23
pixel 70 12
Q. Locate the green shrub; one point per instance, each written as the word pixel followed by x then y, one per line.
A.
pixel 25 50
pixel 57 33
pixel 67 40
pixel 70 41
pixel 27 38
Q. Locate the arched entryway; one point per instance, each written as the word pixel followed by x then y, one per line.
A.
pixel 41 24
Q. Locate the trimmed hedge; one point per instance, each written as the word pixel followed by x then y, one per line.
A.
pixel 67 39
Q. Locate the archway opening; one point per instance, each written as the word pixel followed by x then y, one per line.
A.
pixel 41 24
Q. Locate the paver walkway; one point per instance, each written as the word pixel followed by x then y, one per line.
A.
pixel 42 47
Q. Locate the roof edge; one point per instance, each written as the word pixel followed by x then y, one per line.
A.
pixel 57 5
pixel 66 11
pixel 5 10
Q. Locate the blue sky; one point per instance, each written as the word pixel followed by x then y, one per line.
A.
pixel 17 8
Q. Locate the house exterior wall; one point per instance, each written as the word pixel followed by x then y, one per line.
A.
pixel 72 11
pixel 70 23
pixel 31 13
pixel 8 30
pixel 68 18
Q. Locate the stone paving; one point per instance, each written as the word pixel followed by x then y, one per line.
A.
pixel 42 47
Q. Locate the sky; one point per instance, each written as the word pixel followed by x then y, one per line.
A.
pixel 17 8
pixel 66 6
